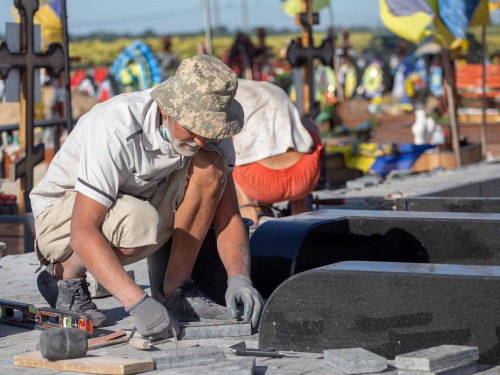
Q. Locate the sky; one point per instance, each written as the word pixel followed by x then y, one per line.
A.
pixel 181 16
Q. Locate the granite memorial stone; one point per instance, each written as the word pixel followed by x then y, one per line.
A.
pixel 386 308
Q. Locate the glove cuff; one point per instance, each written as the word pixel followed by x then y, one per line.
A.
pixel 240 276
pixel 135 304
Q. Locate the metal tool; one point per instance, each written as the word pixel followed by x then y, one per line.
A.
pixel 175 337
pixel 247 352
pixel 27 316
pixel 141 343
pixel 103 344
pixel 108 340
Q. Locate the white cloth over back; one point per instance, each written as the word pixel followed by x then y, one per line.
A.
pixel 272 123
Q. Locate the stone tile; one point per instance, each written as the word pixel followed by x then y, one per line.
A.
pixel 183 357
pixel 252 344
pixel 437 358
pixel 355 360
pixel 10 369
pixel 490 371
pixel 209 330
pixel 242 366
pixel 464 369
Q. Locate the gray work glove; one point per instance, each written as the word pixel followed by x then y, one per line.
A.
pixel 151 319
pixel 240 290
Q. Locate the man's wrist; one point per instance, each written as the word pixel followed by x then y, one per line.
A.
pixel 238 272
pixel 134 299
pixel 240 276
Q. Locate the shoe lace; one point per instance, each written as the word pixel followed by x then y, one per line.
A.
pixel 82 295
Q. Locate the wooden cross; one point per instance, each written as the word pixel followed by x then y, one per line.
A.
pixel 27 61
pixel 303 55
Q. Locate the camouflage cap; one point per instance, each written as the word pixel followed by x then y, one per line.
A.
pixel 200 97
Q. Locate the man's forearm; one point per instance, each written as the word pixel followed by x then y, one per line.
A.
pixel 234 250
pixel 102 262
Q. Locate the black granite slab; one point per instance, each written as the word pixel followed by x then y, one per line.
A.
pixel 480 197
pixel 284 247
pixel 446 204
pixel 386 308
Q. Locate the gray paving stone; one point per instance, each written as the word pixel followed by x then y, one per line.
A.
pixel 240 366
pixel 464 369
pixel 438 357
pixel 184 357
pixel 304 367
pixel 490 371
pixel 355 360
pixel 252 344
pixel 210 330
pixel 97 290
pixel 14 370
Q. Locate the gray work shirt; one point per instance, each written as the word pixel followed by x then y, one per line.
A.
pixel 115 148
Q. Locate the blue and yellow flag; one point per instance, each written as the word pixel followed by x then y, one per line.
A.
pixel 458 15
pixel 408 19
pixel 49 16
pixel 292 7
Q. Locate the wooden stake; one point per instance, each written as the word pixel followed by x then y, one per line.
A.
pixel 452 111
pixel 307 42
pixel 483 125
pixel 22 119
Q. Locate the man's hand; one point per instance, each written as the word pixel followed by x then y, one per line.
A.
pixel 152 319
pixel 240 289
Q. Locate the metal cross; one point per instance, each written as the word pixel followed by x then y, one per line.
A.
pixel 26 61
pixel 303 55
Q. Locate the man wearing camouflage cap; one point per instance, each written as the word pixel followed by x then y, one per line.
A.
pixel 137 170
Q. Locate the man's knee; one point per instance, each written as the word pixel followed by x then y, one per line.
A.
pixel 138 227
pixel 130 251
pixel 208 170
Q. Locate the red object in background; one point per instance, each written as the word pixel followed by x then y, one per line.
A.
pixel 77 76
pixel 7 199
pixel 105 95
pixel 100 74
pixel 470 80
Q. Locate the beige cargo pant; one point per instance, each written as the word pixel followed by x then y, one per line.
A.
pixel 129 223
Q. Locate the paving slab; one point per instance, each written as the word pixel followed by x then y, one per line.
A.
pixel 355 360
pixel 240 366
pixel 214 329
pixel 490 371
pixel 464 369
pixel 437 358
pixel 198 355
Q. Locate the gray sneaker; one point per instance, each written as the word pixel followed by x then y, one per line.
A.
pixel 69 295
pixel 189 303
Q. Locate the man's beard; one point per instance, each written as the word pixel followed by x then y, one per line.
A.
pixel 185 148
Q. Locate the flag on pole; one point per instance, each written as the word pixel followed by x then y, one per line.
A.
pixel 408 19
pixel 49 16
pixel 292 7
pixel 458 15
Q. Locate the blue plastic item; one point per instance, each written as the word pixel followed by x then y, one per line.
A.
pixel 409 153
